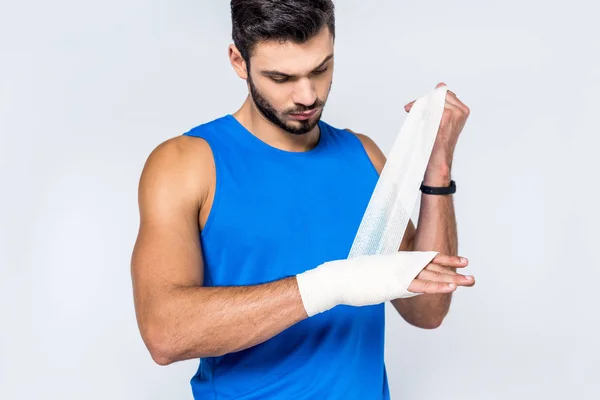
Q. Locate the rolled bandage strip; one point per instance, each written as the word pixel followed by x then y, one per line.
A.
pixel 360 281
pixel 393 200
pixel 375 270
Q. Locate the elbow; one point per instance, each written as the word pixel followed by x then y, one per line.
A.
pixel 429 324
pixel 166 348
pixel 161 357
pixel 159 345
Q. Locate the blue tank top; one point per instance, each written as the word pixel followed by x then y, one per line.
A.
pixel 276 214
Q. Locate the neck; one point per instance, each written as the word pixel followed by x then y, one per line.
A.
pixel 252 119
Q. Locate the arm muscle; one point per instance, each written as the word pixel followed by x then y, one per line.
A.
pixel 178 317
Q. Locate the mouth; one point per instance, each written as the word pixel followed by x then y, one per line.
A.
pixel 305 115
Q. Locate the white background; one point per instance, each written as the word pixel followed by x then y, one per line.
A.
pixel 88 89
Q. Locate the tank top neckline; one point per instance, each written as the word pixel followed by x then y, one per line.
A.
pixel 250 138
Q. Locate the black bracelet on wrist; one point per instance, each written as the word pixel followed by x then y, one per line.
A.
pixel 439 190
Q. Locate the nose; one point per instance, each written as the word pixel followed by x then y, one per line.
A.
pixel 304 92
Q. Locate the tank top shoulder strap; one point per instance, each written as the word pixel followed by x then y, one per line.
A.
pixel 349 142
pixel 216 133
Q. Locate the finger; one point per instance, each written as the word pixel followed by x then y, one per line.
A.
pixel 454 103
pixel 450 102
pixel 450 261
pixel 454 109
pixel 439 268
pixel 452 99
pixel 445 270
pixel 424 286
pixel 436 276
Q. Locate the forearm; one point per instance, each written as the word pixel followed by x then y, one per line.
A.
pixel 436 231
pixel 199 322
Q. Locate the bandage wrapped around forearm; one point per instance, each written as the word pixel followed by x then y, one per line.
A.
pixel 361 281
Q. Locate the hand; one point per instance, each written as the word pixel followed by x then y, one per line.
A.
pixel 439 276
pixel 373 279
pixel 453 121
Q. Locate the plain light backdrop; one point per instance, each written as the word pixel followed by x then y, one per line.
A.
pixel 88 89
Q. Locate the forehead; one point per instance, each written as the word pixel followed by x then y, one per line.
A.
pixel 289 57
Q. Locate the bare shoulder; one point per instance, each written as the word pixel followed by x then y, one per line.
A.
pixel 373 151
pixel 173 186
pixel 180 167
pixel 179 154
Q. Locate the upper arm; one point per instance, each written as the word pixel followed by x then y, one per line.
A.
pixel 378 160
pixel 167 253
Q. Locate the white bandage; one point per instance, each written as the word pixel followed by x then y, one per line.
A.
pixel 360 281
pixel 375 270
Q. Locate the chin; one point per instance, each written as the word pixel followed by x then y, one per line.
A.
pixel 302 127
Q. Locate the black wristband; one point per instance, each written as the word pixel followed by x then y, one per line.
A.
pixel 439 190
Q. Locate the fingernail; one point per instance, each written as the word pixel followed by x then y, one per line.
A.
pixel 464 260
pixel 452 285
pixel 469 277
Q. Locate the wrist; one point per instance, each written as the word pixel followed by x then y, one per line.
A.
pixel 438 176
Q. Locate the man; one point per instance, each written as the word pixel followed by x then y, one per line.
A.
pixel 246 222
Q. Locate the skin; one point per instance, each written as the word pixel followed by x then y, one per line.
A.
pixel 181 319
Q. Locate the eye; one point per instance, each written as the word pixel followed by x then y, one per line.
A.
pixel 282 79
pixel 320 71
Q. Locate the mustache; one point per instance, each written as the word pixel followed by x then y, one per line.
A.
pixel 303 109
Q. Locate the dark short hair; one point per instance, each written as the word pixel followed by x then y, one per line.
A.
pixel 255 21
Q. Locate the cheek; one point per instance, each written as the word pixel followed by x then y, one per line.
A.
pixel 281 100
pixel 278 95
pixel 323 84
pixel 323 87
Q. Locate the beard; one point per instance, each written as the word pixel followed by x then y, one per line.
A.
pixel 269 112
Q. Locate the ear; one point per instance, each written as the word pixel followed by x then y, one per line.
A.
pixel 237 62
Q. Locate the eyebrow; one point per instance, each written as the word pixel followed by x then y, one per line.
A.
pixel 278 73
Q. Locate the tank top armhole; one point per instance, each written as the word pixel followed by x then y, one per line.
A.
pixel 216 196
pixel 361 149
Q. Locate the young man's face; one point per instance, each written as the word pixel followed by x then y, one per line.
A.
pixel 289 83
